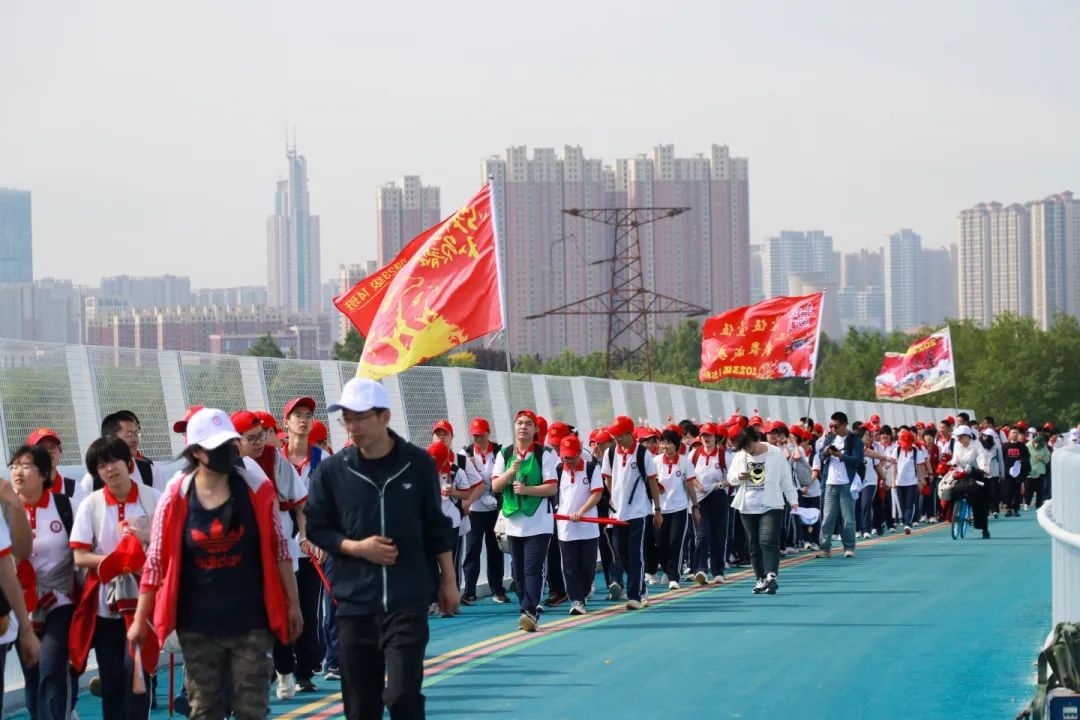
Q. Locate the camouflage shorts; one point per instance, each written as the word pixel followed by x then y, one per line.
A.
pixel 211 662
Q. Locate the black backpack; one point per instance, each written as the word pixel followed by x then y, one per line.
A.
pixel 640 455
pixel 64 510
pixel 146 471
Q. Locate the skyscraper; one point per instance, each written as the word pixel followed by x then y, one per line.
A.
pixel 16 238
pixel 863 269
pixel 937 272
pixel 702 256
pixel 903 280
pixel 349 275
pixel 794 252
pixel 1010 260
pixel 974 274
pixel 402 212
pixel 1053 235
pixel 292 243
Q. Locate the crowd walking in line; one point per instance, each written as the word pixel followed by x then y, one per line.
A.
pixel 272 563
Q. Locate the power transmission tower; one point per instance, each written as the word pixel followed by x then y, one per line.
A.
pixel 627 304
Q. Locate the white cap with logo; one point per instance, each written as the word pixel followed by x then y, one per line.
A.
pixel 210 428
pixel 361 395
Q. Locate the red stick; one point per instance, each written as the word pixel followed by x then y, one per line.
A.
pixel 172 683
pixel 322 576
pixel 596 520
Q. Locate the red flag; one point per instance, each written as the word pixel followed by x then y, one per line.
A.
pixel 774 339
pixel 927 366
pixel 441 290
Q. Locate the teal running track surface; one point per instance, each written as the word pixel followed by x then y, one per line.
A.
pixel 913 627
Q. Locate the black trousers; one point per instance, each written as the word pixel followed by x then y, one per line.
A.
pixel 670 539
pixel 482 533
pixel 309 653
pixel 116 670
pixel 382 664
pixel 609 559
pixel 630 540
pixel 48 690
pixel 652 557
pixel 527 558
pixel 553 569
pixel 763 536
pixel 578 566
pixel 710 551
pixel 436 569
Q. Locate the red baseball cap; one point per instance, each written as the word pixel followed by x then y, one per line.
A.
pixel 734 431
pixel 42 433
pixel 556 432
pixel 676 429
pixel 291 406
pixel 245 420
pixel 266 419
pixel 775 426
pixel 906 439
pixel 479 426
pixel 541 426
pixel 440 453
pixel 443 425
pixel 529 414
pixel 756 420
pixel 709 428
pixel 180 426
pixel 318 433
pixel 1022 425
pixel 950 420
pixel 622 426
pixel 818 429
pixel 603 436
pixel 570 447
pixel 875 418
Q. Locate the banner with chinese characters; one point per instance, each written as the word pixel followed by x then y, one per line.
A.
pixel 774 339
pixel 441 291
pixel 927 366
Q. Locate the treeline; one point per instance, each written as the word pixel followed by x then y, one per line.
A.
pixel 1011 370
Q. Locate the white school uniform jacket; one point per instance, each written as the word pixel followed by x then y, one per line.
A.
pixel 576 486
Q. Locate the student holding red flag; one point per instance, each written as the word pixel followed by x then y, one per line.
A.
pixel 580 489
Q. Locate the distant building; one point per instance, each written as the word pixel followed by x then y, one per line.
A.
pixel 348 276
pixel 292 243
pixel 47 310
pixel 242 296
pixel 16 237
pixel 798 252
pixel 403 211
pixel 861 308
pixel 148 292
pixel 903 280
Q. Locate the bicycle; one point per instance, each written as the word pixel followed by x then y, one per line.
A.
pixel 961 518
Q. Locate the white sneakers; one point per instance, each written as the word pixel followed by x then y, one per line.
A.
pixel 849 553
pixel 700 578
pixel 578 608
pixel 718 580
pixel 673 585
pixel 907 529
pixel 634 605
pixel 286 686
pixel 650 579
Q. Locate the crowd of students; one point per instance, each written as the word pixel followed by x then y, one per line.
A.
pixel 268 556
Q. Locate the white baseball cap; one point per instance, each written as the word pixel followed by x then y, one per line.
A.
pixel 210 428
pixel 964 430
pixel 361 395
pixel 988 432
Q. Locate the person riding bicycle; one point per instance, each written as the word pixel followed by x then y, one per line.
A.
pixel 971 463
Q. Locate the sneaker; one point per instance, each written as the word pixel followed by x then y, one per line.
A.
pixel 673 585
pixel 555 600
pixel 650 579
pixel 527 622
pixel 907 529
pixel 933 521
pixel 577 608
pixel 874 531
pixel 806 545
pixel 892 530
pixel 986 534
pixel 718 580
pixel 615 591
pixel 995 515
pixel 634 605
pixel 771 585
pixel 849 553
pixel 469 599
pixel 95 686
pixel 286 686
pixel 823 553
pixel 759 586
pixel 700 578
pixel 307 685
pixel 645 597
pixel 783 552
pixel 792 550
pixel 181 705
pixel 332 673
pixel 835 537
pixel 433 610
pixel 500 599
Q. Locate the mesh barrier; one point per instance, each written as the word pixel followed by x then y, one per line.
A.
pixel 667 409
pixel 424 396
pixel 635 400
pixel 128 379
pixel 690 404
pixel 562 400
pixel 476 396
pixel 288 379
pixel 600 404
pixel 521 392
pixel 347 371
pixel 716 406
pixel 213 381
pixel 36 392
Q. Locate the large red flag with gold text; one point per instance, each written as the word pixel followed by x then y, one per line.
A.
pixel 774 339
pixel 441 290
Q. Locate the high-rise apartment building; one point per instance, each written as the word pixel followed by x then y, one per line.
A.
pixel 240 296
pixel 757 277
pixel 903 280
pixel 348 276
pixel 799 252
pixel 148 292
pixel 863 269
pixel 937 298
pixel 973 271
pixel 1010 260
pixel 1053 235
pixel 403 211
pixel 702 256
pixel 292 243
pixel 16 237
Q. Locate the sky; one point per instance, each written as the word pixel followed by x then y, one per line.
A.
pixel 151 135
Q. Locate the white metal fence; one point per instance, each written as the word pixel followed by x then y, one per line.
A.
pixel 1061 520
pixel 71 387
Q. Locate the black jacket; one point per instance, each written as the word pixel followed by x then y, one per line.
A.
pixel 348 499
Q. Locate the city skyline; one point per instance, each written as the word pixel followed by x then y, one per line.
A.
pixel 168 165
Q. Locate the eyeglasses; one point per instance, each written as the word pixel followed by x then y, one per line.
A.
pixel 25 467
pixel 129 433
pixel 254 439
pixel 350 418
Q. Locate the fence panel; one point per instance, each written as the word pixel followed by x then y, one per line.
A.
pixel 424 398
pixel 128 379
pixel 36 391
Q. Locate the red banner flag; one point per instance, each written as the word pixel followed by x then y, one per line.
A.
pixel 774 339
pixel 927 366
pixel 441 290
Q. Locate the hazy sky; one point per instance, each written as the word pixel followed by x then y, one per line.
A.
pixel 152 136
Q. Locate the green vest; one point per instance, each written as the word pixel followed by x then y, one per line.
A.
pixel 531 473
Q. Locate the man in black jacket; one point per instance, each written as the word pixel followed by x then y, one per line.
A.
pixel 376 507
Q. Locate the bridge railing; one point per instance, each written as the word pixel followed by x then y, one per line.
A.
pixel 1060 518
pixel 71 387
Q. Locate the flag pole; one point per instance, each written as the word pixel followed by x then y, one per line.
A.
pixel 952 354
pixel 502 294
pixel 817 348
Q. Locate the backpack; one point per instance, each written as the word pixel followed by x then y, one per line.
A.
pixel 800 470
pixel 1063 657
pixel 64 510
pixel 640 456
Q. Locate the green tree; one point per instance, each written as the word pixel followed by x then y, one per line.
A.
pixel 266 347
pixel 351 349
